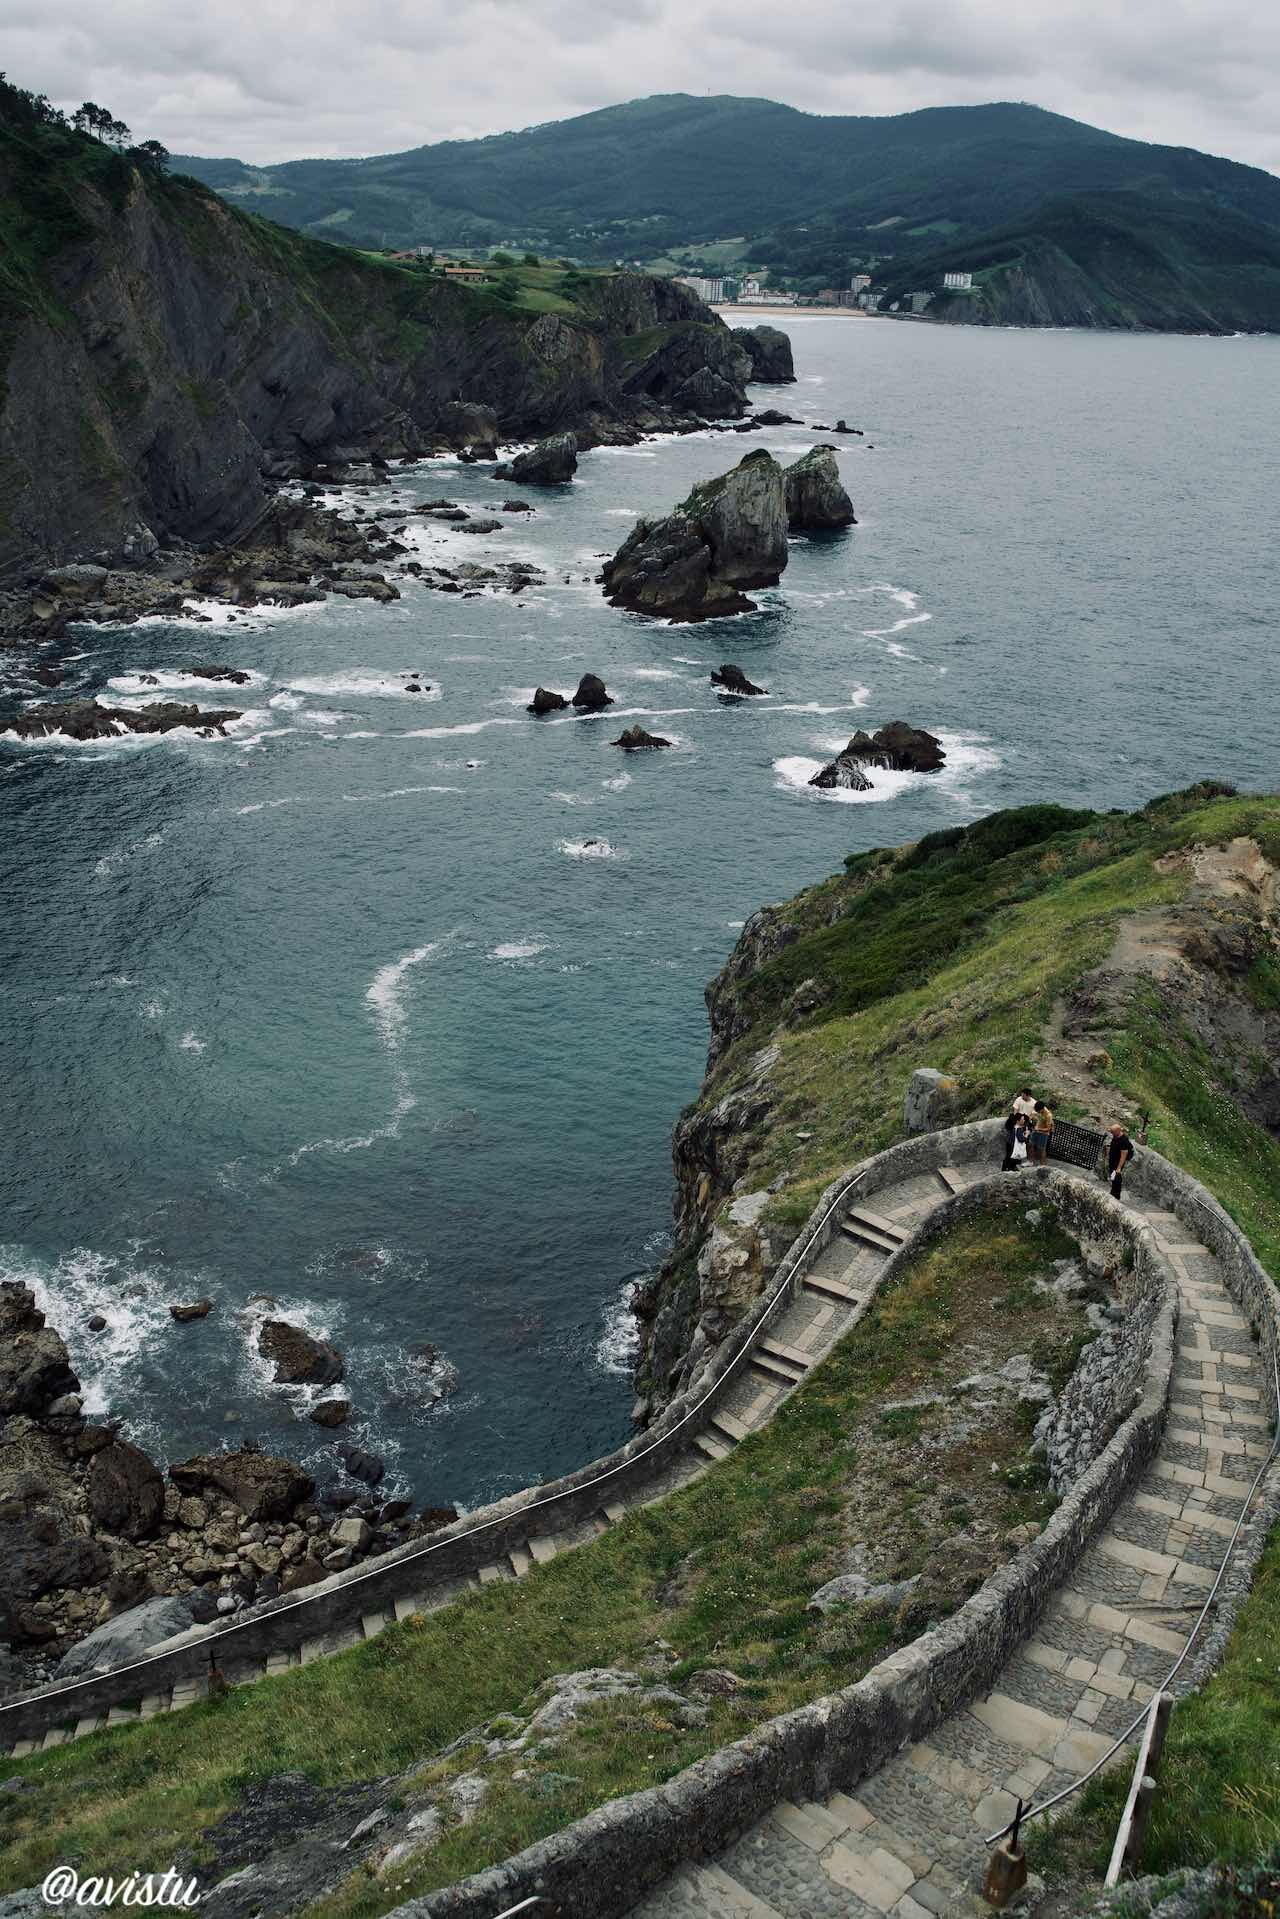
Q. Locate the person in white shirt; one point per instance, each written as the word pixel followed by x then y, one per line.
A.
pixel 1025 1103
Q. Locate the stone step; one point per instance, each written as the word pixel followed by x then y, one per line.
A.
pixel 614 1512
pixel 489 1575
pixel 713 1448
pixel 951 1179
pixel 869 1236
pixel 521 1560
pixel 278 1662
pixel 730 1427
pixel 726 1895
pixel 887 1228
pixel 373 1623
pixel 792 1354
pixel 833 1289
pixel 774 1368
pixel 543 1550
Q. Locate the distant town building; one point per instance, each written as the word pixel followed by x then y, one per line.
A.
pixel 712 291
pixel 767 299
pixel 752 288
pixel 958 282
pixel 837 297
pixel 859 282
pixel 919 301
pixel 455 270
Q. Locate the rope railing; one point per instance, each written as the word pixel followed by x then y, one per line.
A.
pixel 220 1640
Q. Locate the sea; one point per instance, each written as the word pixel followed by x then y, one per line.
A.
pixel 376 1015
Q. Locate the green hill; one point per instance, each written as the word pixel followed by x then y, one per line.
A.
pixel 677 170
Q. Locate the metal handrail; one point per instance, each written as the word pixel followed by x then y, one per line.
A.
pixel 221 1638
pixel 1046 1805
pixel 526 1905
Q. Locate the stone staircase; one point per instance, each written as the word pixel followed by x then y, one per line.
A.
pixel 828 1302
pixel 911 1841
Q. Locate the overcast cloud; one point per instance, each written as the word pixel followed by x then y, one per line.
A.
pixel 279 79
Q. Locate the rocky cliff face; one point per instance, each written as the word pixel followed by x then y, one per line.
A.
pixel 730 533
pixel 165 364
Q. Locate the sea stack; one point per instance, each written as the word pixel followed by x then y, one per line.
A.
pixel 729 534
pixel 816 500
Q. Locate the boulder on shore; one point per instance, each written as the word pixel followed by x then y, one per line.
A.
pixel 545 701
pixel 592 695
pixel 125 1491
pixel 769 349
pixel 731 679
pixel 730 533
pixel 261 1486
pixel 815 497
pixel 553 462
pixel 300 1359
pixel 467 424
pixel 634 739
pixel 86 720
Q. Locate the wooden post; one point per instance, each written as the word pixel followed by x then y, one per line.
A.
pixel 1127 1850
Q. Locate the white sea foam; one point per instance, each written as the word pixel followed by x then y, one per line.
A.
pixel 622 513
pixel 968 756
pixel 594 849
pixel 519 949
pixel 399 793
pixel 189 1043
pixel 618 1346
pixel 177 679
pixel 447 732
pixel 366 685
pixel 617 783
pixel 574 799
pixel 136 849
pixel 285 702
pixel 385 995
pixel 648 673
pixel 261 806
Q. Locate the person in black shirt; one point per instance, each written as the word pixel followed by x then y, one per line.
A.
pixel 1119 1153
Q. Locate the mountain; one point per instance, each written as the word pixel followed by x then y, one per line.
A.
pixel 164 357
pixel 680 170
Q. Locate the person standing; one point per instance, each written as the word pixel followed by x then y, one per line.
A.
pixel 1042 1133
pixel 1025 1103
pixel 1119 1155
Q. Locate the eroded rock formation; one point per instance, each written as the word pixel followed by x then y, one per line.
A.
pixel 816 499
pixel 730 534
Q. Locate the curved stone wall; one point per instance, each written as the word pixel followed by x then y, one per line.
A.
pixel 602 1864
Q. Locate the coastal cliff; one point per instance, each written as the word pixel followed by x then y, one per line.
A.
pixel 164 358
pixel 1121 963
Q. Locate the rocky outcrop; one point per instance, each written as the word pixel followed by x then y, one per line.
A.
pixel 592 695
pixel 731 533
pixel 769 349
pixel 86 720
pixel 552 462
pixel 634 739
pixel 34 1367
pixel 731 679
pixel 258 1485
pixel 816 500
pixel 898 748
pixel 544 701
pixel 844 772
pixel 299 1358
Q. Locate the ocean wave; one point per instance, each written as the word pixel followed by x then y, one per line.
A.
pixel 178 679
pixel 398 793
pixel 618 1346
pixel 618 782
pixel 520 949
pixel 447 732
pixel 191 1043
pixel 573 799
pixel 385 994
pixel 136 849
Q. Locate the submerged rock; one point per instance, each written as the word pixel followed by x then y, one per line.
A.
pixel 86 720
pixel 592 695
pixel 235 674
pixel 198 1309
pixel 732 679
pixel 730 533
pixel 331 1412
pixel 635 740
pixel 545 701
pixel 769 349
pixel 815 497
pixel 553 462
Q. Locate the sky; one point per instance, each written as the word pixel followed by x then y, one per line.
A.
pixel 266 80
